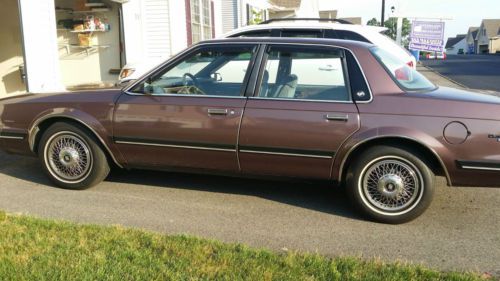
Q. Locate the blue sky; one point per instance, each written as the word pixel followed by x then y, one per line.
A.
pixel 463 13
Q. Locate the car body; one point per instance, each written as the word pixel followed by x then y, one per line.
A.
pixel 436 56
pixel 311 28
pixel 335 110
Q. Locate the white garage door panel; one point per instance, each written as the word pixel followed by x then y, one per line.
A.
pixel 156 28
pixel 40 46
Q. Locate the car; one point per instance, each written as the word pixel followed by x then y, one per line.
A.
pixel 298 27
pixel 436 55
pixel 344 112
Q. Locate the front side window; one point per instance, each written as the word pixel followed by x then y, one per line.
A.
pixel 405 76
pixel 212 71
pixel 304 73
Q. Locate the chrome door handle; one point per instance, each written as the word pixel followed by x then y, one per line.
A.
pixel 337 117
pixel 217 111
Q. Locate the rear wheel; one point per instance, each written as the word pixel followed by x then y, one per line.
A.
pixel 390 184
pixel 71 156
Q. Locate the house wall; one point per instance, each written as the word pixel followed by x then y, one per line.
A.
pixel 495 46
pixel 11 53
pixel 462 44
pixel 482 40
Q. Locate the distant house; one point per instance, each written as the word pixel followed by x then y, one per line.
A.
pixel 471 40
pixel 488 37
pixel 456 45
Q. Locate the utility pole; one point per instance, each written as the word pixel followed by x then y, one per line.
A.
pixel 383 13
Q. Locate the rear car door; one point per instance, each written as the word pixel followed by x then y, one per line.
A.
pixel 187 113
pixel 300 114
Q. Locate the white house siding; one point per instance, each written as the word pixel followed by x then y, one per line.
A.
pixel 156 29
pixel 462 44
pixel 229 14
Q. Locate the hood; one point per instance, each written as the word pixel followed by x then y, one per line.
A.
pixel 101 95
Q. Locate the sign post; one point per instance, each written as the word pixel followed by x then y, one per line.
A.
pixel 427 36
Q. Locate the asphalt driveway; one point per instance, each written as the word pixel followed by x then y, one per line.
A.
pixel 460 231
pixel 474 71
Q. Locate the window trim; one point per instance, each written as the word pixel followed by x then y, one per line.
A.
pixel 169 64
pixel 263 63
pixel 255 71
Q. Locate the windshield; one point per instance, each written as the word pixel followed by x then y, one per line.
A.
pixel 405 76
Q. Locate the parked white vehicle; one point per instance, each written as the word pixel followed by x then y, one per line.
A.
pixel 294 27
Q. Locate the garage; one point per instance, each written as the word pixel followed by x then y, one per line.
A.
pixel 61 45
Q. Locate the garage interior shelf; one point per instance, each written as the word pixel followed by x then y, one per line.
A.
pixel 87 49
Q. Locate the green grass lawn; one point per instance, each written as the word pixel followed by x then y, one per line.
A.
pixel 38 249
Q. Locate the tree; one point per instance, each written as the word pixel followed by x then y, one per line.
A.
pixel 391 25
pixel 373 22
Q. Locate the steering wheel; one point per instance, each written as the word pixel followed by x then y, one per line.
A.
pixel 192 77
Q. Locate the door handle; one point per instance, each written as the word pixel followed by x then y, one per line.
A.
pixel 217 111
pixel 337 117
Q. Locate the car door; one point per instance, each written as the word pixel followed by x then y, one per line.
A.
pixel 187 113
pixel 301 113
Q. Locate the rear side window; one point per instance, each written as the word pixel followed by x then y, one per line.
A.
pixel 406 77
pixel 349 35
pixel 304 73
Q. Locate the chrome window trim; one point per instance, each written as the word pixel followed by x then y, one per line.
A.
pixel 34 130
pixel 187 96
pixel 285 154
pixel 466 167
pixel 11 137
pixel 127 89
pixel 176 146
pixel 301 100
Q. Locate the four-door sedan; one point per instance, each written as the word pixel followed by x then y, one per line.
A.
pixel 342 111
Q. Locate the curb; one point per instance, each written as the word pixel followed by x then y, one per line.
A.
pixel 445 77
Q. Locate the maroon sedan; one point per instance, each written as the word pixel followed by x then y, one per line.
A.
pixel 342 111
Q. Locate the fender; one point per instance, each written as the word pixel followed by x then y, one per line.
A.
pixel 83 118
pixel 440 151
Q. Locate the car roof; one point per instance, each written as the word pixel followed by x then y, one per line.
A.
pixel 307 25
pixel 349 44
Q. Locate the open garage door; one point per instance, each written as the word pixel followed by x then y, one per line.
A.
pixel 11 50
pixel 40 46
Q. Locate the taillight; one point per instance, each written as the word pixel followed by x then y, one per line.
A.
pixel 444 56
pixel 410 64
pixel 402 74
pixel 428 56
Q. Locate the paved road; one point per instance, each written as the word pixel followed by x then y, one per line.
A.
pixel 474 71
pixel 460 231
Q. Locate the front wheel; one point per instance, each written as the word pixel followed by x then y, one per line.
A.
pixel 390 184
pixel 71 156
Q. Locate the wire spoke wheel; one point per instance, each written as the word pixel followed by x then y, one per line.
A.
pixel 392 184
pixel 68 157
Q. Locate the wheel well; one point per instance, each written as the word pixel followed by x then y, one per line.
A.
pixel 430 157
pixel 45 124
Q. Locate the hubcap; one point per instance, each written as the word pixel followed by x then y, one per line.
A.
pixel 69 157
pixel 391 185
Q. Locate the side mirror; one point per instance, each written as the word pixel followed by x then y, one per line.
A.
pixel 216 76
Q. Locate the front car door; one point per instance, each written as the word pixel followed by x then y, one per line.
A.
pixel 300 115
pixel 187 113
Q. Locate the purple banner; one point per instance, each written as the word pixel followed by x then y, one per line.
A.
pixel 427 36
